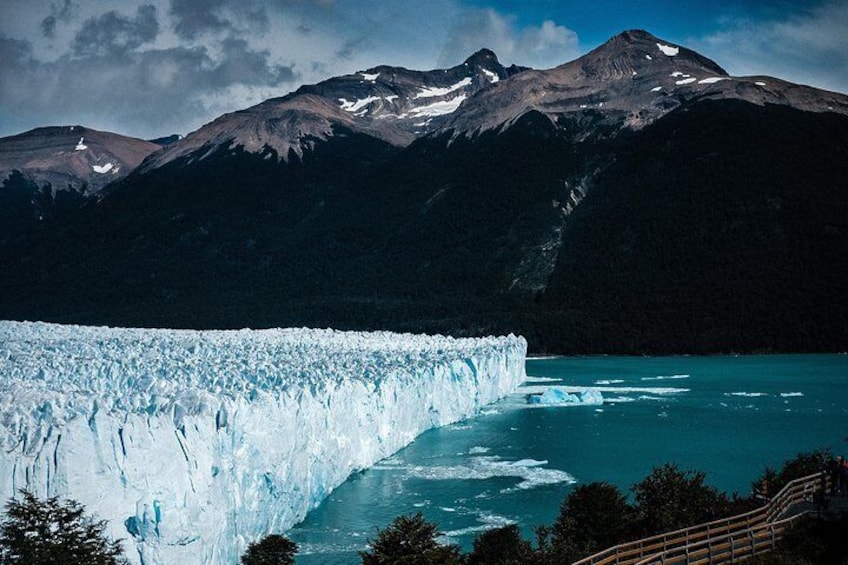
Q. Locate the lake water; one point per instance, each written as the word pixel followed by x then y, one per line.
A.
pixel 727 416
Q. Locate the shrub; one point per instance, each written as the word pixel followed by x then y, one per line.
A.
pixel 270 550
pixel 593 517
pixel 410 540
pixel 669 499
pixel 502 546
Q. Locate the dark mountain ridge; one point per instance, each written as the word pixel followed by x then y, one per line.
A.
pixel 577 206
pixel 50 171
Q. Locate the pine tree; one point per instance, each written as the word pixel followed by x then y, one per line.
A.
pixel 46 532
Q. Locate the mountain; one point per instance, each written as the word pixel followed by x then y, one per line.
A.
pixel 637 199
pixel 632 80
pixel 49 170
pixel 391 104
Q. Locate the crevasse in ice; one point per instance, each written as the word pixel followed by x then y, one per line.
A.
pixel 194 443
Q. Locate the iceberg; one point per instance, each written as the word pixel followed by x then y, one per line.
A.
pixel 570 397
pixel 193 444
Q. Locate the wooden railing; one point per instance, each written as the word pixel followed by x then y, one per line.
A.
pixel 727 548
pixel 757 527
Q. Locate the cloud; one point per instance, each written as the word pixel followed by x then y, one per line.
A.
pixel 547 45
pixel 142 93
pixel 810 47
pixel 193 18
pixel 114 33
pixel 153 67
pixel 64 13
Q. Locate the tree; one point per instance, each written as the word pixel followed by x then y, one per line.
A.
pixel 669 499
pixel 802 465
pixel 502 546
pixel 410 540
pixel 593 517
pixel 46 532
pixel 273 549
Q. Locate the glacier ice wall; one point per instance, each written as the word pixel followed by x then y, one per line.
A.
pixel 194 443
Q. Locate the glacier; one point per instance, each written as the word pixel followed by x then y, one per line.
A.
pixel 192 443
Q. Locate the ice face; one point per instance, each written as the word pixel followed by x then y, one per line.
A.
pixel 193 444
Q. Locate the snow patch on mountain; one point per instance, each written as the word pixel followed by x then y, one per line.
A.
pixel 102 169
pixel 432 91
pixel 493 77
pixel 439 108
pixel 356 105
pixel 194 443
pixel 370 77
pixel 668 49
pixel 80 145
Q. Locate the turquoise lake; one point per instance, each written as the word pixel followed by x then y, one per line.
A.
pixel 515 463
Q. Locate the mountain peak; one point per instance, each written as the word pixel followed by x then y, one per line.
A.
pixel 643 50
pixel 482 57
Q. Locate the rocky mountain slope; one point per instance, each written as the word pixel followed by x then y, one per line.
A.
pixel 49 170
pixel 393 104
pixel 637 199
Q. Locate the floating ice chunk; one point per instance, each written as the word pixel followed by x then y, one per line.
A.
pixel 102 169
pixel 356 105
pixel 746 394
pixel 668 49
pixel 558 396
pixel 439 108
pixel 666 378
pixel 370 77
pixel 609 382
pixel 532 473
pixel 790 394
pixel 487 522
pixel 686 81
pixel 493 77
pixel 605 389
pixel 431 91
pixel 712 80
pixel 533 379
pixel 80 145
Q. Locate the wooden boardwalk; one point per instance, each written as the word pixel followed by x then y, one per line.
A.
pixel 730 539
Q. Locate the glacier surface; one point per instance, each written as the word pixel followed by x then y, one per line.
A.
pixel 194 443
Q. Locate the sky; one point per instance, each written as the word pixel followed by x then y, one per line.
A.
pixel 149 68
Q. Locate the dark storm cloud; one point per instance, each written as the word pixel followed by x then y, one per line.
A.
pixel 58 13
pixel 143 92
pixel 193 18
pixel 241 65
pixel 115 33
